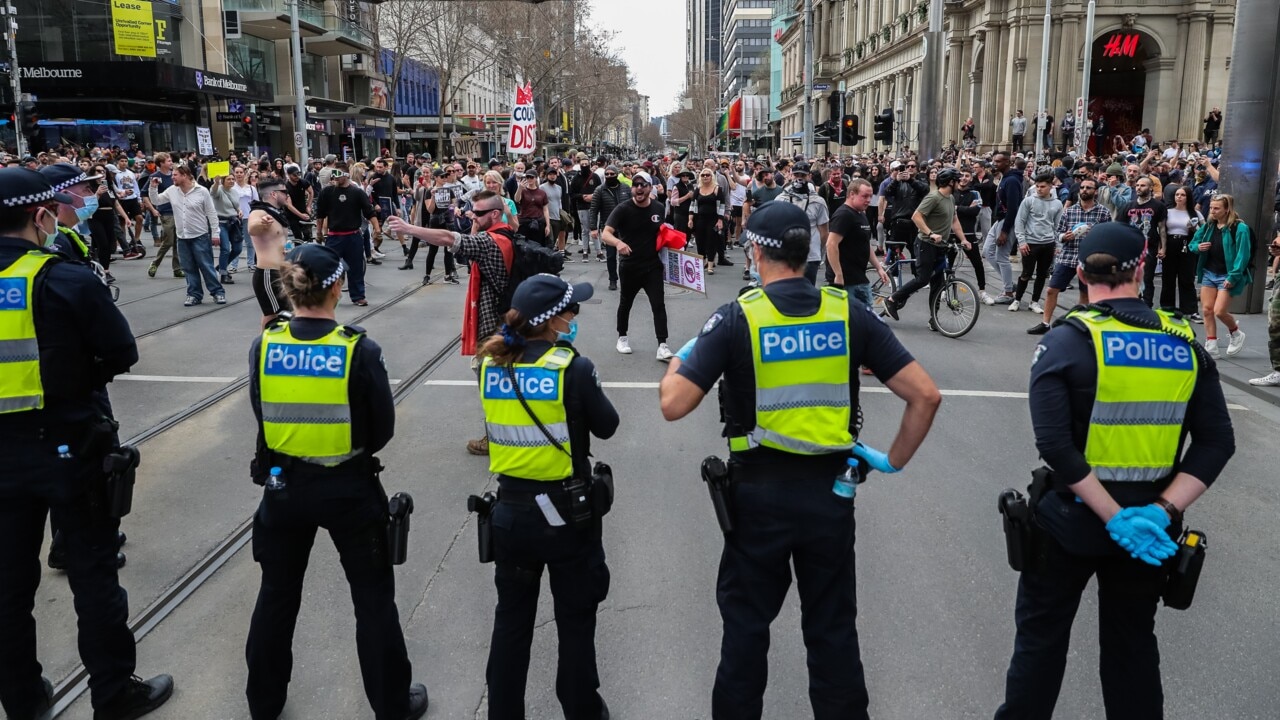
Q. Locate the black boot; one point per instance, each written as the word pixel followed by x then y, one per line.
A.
pixel 136 698
pixel 408 265
pixel 418 701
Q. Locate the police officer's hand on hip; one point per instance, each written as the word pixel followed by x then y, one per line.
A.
pixel 790 354
pixel 323 402
pixel 63 339
pixel 542 403
pixel 1135 385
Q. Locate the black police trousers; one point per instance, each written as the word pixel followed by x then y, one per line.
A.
pixel 777 523
pixel 524 544
pixel 284 530
pixel 102 606
pixel 1128 592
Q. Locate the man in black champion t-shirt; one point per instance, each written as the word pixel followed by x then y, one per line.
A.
pixel 632 228
pixel 849 243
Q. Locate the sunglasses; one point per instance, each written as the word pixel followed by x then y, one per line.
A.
pixel 611 175
pixel 705 175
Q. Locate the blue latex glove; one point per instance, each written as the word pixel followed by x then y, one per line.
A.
pixel 874 458
pixel 686 349
pixel 1134 530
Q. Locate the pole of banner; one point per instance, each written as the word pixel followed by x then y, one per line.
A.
pixel 806 119
pixel 1083 129
pixel 1041 110
pixel 930 142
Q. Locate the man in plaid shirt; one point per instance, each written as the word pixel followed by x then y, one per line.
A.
pixel 1075 223
pixel 489 251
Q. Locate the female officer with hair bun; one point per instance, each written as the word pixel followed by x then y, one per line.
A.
pixel 542 403
pixel 320 393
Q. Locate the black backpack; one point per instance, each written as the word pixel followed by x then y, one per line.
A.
pixel 528 258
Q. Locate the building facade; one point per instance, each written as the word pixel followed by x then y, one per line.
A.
pixel 746 42
pixel 1160 66
pixel 703 34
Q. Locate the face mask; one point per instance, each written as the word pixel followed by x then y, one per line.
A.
pixel 571 335
pixel 800 185
pixel 611 182
pixel 90 207
pixel 755 276
pixel 49 238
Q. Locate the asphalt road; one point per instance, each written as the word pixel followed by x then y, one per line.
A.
pixel 936 597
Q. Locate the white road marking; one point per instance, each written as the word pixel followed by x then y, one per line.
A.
pixel 177 378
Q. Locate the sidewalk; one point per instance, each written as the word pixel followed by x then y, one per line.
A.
pixel 1253 361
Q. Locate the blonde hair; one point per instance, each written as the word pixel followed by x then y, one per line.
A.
pixel 301 288
pixel 1228 204
pixel 496 176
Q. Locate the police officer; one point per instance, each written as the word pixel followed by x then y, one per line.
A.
pixel 323 402
pixel 71 181
pixel 1119 487
pixel 542 403
pixel 57 321
pixel 789 354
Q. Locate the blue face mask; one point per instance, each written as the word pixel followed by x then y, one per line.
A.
pixel 90 207
pixel 571 335
pixel 755 276
pixel 50 239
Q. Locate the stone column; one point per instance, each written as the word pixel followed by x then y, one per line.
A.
pixel 1069 80
pixel 1191 106
pixel 1219 63
pixel 955 92
pixel 993 124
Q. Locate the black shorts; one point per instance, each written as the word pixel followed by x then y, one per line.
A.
pixel 736 212
pixel 1062 276
pixel 132 208
pixel 269 291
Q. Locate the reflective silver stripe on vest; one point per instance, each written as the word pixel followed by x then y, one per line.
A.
pixel 758 436
pixel 794 397
pixel 1138 413
pixel 527 436
pixel 306 413
pixel 1131 474
pixel 16 351
pixel 19 403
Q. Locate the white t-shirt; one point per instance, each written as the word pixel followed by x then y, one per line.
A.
pixel 737 195
pixel 127 185
pixel 246 194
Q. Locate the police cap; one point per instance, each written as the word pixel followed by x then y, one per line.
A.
pixel 542 297
pixel 20 187
pixel 768 224
pixel 322 263
pixel 1122 241
pixel 64 176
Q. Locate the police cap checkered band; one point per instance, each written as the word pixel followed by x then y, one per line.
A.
pixel 64 175
pixel 544 296
pixel 757 238
pixel 320 262
pixel 1122 241
pixel 770 222
pixel 20 187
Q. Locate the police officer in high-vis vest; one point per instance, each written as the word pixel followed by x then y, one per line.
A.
pixel 323 402
pixel 542 403
pixel 1116 388
pixel 69 180
pixel 789 354
pixel 61 341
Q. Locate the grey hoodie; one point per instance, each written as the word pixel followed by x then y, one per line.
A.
pixel 1037 221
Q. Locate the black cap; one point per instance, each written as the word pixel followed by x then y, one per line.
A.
pixel 65 175
pixel 544 296
pixel 1122 241
pixel 772 220
pixel 20 187
pixel 495 162
pixel 321 263
pixel 437 173
pixel 530 174
pixel 800 168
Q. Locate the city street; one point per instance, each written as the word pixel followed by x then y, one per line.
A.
pixel 936 596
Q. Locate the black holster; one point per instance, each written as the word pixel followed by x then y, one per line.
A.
pixel 1184 575
pixel 482 506
pixel 399 508
pixel 601 489
pixel 716 475
pixel 581 512
pixel 121 468
pixel 1016 515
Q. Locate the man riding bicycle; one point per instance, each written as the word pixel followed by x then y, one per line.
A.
pixel 937 223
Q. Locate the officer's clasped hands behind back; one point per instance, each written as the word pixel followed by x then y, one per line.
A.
pixel 789 355
pixel 542 403
pixel 320 393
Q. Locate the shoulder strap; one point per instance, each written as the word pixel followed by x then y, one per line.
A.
pixel 515 384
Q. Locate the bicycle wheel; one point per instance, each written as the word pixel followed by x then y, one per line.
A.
pixel 955 308
pixel 880 291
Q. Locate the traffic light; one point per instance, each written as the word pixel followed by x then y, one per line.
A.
pixel 849 130
pixel 884 127
pixel 31 126
pixel 249 124
pixel 261 120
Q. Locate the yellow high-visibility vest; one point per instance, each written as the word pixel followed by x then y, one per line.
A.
pixel 517 446
pixel 303 386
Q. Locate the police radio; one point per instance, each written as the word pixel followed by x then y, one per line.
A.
pixel 1184 574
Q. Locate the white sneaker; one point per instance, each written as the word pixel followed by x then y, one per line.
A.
pixel 1237 343
pixel 985 298
pixel 1036 308
pixel 624 347
pixel 664 352
pixel 1014 306
pixel 378 255
pixel 1211 347
pixel 1271 380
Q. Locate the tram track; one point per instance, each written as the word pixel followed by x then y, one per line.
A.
pixel 76 683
